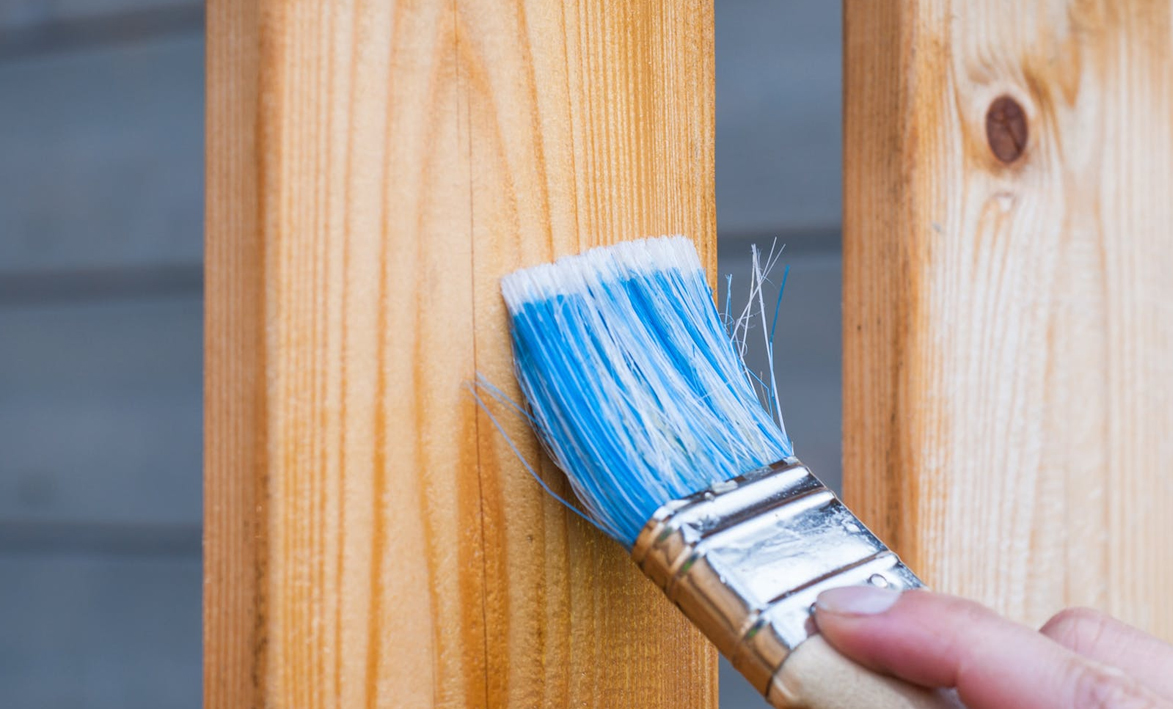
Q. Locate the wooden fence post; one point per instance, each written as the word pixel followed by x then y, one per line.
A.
pixel 1008 304
pixel 373 167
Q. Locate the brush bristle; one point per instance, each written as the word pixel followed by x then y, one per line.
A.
pixel 634 385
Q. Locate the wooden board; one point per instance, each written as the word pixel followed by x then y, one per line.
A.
pixel 1008 329
pixel 373 168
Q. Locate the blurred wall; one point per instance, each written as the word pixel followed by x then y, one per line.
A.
pixel 101 170
pixel 779 156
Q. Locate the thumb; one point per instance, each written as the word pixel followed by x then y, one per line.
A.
pixel 943 641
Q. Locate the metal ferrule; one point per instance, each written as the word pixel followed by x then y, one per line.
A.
pixel 746 559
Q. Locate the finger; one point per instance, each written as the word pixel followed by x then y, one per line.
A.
pixel 943 641
pixel 1102 638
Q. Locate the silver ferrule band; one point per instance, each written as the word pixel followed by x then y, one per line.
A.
pixel 746 559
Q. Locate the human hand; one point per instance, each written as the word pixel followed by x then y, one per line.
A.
pixel 1080 659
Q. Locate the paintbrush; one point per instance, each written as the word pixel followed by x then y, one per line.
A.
pixel 641 396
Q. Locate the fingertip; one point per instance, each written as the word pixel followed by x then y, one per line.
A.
pixel 1078 629
pixel 856 620
pixel 856 600
pixel 1101 638
pixel 920 636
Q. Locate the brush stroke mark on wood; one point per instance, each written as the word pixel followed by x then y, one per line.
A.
pixel 373 168
pixel 1008 368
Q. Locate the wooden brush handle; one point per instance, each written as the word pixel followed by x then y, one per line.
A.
pixel 815 676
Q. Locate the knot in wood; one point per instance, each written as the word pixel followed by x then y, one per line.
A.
pixel 1006 129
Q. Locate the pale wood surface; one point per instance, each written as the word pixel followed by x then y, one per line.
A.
pixel 1008 329
pixel 373 168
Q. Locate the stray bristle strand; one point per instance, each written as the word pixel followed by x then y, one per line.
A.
pixel 634 385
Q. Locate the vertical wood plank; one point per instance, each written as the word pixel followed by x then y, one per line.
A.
pixel 1008 335
pixel 235 470
pixel 373 168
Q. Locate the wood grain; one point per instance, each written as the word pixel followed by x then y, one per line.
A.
pixel 1008 328
pixel 373 168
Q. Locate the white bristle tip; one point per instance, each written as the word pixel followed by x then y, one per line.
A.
pixel 576 273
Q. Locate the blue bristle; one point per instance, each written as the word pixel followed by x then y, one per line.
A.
pixel 634 385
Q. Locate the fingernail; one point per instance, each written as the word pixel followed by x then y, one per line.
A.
pixel 857 600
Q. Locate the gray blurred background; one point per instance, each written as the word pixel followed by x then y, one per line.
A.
pixel 101 203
